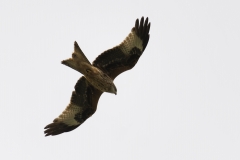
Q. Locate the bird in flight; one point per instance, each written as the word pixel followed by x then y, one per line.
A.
pixel 98 77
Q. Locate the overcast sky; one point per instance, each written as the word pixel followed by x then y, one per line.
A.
pixel 180 102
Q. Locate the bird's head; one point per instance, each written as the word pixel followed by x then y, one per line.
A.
pixel 112 89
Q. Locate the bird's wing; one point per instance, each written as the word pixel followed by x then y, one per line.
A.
pixel 124 56
pixel 83 104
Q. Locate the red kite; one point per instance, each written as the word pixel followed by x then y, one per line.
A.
pixel 98 77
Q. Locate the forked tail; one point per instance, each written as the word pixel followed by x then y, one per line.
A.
pixel 78 60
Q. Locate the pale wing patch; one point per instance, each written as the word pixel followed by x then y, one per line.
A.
pixel 130 42
pixel 68 115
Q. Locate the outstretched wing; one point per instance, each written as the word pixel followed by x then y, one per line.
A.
pixel 124 56
pixel 83 104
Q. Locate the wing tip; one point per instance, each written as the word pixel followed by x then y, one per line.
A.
pixel 143 26
pixel 142 29
pixel 57 128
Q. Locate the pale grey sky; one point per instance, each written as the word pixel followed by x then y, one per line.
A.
pixel 180 102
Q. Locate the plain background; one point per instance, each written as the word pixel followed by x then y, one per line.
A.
pixel 180 102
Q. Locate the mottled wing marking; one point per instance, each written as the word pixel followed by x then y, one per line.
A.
pixel 130 42
pixel 124 56
pixel 108 61
pixel 79 109
pixel 68 115
pixel 137 37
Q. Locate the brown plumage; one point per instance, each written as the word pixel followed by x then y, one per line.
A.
pixel 95 76
pixel 98 77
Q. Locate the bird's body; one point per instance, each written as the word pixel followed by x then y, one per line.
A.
pixel 98 77
pixel 94 75
pixel 102 82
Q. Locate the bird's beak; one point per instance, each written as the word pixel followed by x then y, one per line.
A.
pixel 113 90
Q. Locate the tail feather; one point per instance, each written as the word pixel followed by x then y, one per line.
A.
pixel 77 60
pixel 79 53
